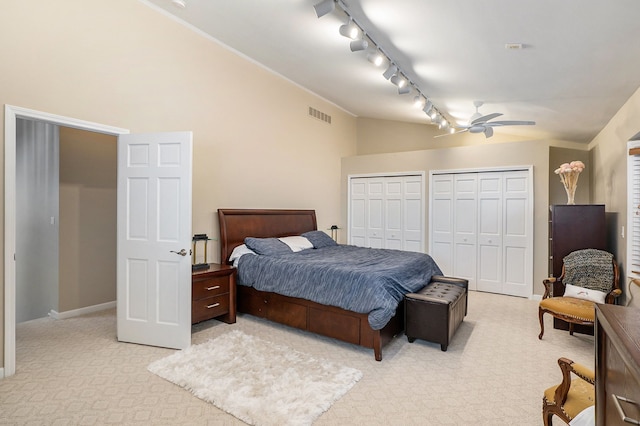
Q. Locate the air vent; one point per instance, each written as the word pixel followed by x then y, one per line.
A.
pixel 319 115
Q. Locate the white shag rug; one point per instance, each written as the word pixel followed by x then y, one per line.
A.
pixel 259 382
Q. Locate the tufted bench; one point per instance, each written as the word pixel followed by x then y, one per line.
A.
pixel 435 312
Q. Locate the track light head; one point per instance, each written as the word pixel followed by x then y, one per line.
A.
pixel 419 101
pixel 427 107
pixel 324 7
pixel 357 45
pixel 404 89
pixel 376 58
pixel 390 71
pixel 398 80
pixel 349 30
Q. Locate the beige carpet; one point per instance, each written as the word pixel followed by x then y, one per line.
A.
pixel 74 372
pixel 256 380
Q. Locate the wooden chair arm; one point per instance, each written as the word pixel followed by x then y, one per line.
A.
pixel 567 367
pixel 548 287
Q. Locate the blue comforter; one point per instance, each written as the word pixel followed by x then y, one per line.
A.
pixel 358 279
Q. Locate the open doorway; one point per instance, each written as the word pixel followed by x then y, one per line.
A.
pixel 12 114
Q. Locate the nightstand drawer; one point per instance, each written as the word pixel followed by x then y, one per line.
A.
pixel 211 286
pixel 209 308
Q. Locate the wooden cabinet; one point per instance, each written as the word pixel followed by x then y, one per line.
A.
pixel 573 227
pixel 213 294
pixel 617 365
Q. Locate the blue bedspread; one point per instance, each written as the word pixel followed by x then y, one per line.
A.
pixel 358 279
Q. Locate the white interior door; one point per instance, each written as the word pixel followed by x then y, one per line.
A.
pixel 490 232
pixel 441 219
pixel 154 239
pixel 518 238
pixel 465 227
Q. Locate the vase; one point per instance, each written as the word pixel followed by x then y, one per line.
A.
pixel 571 195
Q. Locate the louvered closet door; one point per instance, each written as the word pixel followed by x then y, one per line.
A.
pixel 465 227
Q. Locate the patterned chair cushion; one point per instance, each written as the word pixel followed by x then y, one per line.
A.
pixel 589 268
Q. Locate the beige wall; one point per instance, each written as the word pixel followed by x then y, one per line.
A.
pixel 609 178
pixel 535 153
pixel 120 63
pixel 87 219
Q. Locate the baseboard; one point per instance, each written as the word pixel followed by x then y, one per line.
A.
pixel 1 373
pixel 82 311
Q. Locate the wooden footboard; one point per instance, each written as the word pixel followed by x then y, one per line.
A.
pixel 329 321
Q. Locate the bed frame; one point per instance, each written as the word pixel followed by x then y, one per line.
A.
pixel 330 321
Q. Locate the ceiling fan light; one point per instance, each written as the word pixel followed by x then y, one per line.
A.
pixel 452 130
pixel 390 71
pixel 349 30
pixel 357 45
pixel 324 7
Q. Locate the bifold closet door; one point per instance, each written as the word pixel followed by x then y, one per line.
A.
pixel 387 212
pixel 480 225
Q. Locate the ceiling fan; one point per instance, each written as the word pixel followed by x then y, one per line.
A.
pixel 479 123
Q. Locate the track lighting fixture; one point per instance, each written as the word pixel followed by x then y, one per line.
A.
pixel 398 80
pixel 390 71
pixel 357 45
pixel 376 58
pixel 349 30
pixel 324 7
pixel 361 40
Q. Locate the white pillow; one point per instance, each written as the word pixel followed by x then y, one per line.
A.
pixel 239 251
pixel 584 293
pixel 297 243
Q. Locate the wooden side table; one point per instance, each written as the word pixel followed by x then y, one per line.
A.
pixel 213 294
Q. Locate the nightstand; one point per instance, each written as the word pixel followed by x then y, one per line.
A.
pixel 213 294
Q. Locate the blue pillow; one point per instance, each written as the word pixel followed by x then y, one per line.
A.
pixel 267 246
pixel 319 239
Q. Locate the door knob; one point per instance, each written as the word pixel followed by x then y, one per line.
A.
pixel 182 252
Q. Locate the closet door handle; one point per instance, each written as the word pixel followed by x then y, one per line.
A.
pixel 623 415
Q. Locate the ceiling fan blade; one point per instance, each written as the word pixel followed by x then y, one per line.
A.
pixel 488 132
pixel 449 134
pixel 485 118
pixel 511 123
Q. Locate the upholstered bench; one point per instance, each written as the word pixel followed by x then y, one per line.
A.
pixel 435 312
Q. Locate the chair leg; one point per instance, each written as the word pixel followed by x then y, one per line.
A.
pixel 546 416
pixel 571 328
pixel 540 314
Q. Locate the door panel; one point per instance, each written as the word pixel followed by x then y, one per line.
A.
pixel 154 217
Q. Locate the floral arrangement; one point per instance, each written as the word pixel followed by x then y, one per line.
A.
pixel 569 173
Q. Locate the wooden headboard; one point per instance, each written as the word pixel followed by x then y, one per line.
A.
pixel 236 224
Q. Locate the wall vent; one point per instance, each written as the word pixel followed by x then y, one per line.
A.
pixel 319 115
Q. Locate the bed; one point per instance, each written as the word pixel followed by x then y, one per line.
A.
pixel 299 312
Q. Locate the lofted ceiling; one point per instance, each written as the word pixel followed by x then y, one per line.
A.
pixel 579 61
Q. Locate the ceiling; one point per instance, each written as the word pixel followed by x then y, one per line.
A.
pixel 579 61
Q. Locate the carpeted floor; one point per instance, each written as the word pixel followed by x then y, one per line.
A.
pixel 74 372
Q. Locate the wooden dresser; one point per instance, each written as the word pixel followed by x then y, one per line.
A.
pixel 617 334
pixel 213 294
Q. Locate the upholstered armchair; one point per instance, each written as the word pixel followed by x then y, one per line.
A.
pixel 570 397
pixel 589 276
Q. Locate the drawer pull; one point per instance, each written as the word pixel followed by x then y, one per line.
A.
pixel 623 416
pixel 213 287
pixel 213 306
